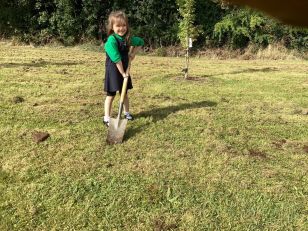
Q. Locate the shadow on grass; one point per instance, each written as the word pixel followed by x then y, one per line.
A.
pixel 249 70
pixel 206 78
pixel 38 63
pixel 161 113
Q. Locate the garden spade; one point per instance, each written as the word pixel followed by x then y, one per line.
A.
pixel 117 126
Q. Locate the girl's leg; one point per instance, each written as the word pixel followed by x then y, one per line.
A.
pixel 126 104
pixel 126 109
pixel 108 106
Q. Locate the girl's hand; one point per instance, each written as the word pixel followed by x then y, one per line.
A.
pixel 128 70
pixel 125 75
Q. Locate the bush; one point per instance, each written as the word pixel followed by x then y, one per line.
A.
pixel 161 51
pixel 71 21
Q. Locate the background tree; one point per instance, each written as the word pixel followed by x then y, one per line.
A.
pixel 188 32
pixel 75 21
pixel 155 21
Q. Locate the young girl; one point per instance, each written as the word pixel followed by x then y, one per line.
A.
pixel 118 54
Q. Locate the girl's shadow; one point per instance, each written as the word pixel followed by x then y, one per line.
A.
pixel 158 114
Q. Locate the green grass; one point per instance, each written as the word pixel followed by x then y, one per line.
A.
pixel 224 151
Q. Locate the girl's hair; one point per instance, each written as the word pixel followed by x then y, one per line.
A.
pixel 121 18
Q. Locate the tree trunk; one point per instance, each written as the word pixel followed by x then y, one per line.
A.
pixel 186 61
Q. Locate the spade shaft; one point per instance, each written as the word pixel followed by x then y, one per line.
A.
pixel 123 93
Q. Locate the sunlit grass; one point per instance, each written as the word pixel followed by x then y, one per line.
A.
pixel 226 150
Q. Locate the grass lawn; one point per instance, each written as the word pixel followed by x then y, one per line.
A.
pixel 224 150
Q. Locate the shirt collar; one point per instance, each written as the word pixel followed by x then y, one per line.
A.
pixel 119 36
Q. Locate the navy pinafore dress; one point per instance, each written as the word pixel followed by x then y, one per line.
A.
pixel 113 78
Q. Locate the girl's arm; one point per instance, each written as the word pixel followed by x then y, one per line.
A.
pixel 133 52
pixel 129 60
pixel 136 44
pixel 111 49
pixel 121 69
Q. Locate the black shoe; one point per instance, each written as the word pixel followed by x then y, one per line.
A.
pixel 129 116
pixel 106 123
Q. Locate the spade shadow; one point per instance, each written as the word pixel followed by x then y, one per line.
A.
pixel 161 113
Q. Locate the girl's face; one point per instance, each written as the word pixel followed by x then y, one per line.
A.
pixel 119 28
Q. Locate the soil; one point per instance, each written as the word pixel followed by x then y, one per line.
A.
pixel 278 144
pixel 18 99
pixel 257 153
pixel 192 79
pixel 305 111
pixel 160 225
pixel 40 136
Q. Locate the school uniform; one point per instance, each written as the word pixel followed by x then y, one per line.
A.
pixel 117 50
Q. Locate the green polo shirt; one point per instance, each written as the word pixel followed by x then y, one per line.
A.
pixel 111 46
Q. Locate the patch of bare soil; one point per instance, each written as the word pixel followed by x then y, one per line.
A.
pixel 304 111
pixel 278 144
pixel 109 165
pixel 161 225
pixel 40 136
pixel 162 97
pixel 257 154
pixel 18 99
pixel 62 71
pixel 193 79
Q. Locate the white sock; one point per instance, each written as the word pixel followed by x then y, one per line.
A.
pixel 106 118
pixel 126 113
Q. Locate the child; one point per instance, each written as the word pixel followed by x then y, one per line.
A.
pixel 118 55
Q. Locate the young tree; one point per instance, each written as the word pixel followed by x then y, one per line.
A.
pixel 188 32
